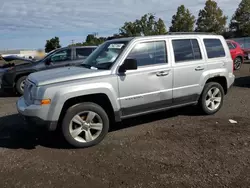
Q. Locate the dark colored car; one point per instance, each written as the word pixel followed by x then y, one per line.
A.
pixel 13 75
pixel 237 53
pixel 246 53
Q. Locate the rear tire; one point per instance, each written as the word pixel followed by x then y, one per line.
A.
pixel 237 63
pixel 85 124
pixel 212 98
pixel 20 85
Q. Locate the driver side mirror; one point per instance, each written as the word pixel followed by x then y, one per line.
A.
pixel 128 64
pixel 47 61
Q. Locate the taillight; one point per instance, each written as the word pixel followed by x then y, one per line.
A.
pixel 233 66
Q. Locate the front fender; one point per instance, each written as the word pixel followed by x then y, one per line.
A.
pixel 66 93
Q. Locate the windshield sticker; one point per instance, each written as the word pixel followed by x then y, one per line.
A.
pixel 116 46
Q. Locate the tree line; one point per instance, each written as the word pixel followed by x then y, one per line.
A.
pixel 210 19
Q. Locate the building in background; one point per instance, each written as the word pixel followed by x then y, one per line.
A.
pixel 31 54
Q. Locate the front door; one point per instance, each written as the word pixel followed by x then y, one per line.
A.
pixel 150 86
pixel 61 58
pixel 188 66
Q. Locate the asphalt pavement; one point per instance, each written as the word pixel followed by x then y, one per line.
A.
pixel 176 148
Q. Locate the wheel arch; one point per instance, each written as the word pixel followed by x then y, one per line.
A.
pixel 99 98
pixel 240 56
pixel 21 75
pixel 221 80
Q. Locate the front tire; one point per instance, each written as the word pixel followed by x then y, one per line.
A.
pixel 237 63
pixel 85 124
pixel 20 85
pixel 212 98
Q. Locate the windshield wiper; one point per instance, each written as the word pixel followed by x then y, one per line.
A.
pixel 86 65
pixel 104 66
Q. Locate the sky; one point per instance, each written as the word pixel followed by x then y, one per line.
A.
pixel 27 24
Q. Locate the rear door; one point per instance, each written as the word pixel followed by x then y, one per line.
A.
pixel 188 66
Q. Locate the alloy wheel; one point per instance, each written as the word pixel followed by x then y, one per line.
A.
pixel 213 99
pixel 237 63
pixel 86 126
pixel 22 85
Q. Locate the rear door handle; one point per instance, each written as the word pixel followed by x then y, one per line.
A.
pixel 199 68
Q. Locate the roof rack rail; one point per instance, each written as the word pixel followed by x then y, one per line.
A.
pixel 190 33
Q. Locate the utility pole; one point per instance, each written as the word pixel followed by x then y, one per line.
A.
pixel 72 42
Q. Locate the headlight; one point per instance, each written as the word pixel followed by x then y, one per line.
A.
pixel 36 98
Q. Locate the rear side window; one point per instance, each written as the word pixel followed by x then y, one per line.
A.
pixel 231 45
pixel 82 53
pixel 186 50
pixel 214 48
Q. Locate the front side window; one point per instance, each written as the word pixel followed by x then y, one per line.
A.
pixel 62 55
pixel 186 50
pixel 214 48
pixel 149 53
pixel 105 55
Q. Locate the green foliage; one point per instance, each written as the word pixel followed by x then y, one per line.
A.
pixel 91 40
pixel 211 19
pixel 240 22
pixel 147 25
pixel 182 21
pixel 52 44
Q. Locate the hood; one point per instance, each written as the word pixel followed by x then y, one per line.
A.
pixel 64 74
pixel 22 62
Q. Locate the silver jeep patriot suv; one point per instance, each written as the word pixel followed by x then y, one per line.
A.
pixel 129 77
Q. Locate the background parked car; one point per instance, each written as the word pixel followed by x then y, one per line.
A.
pixel 245 45
pixel 13 75
pixel 246 53
pixel 237 53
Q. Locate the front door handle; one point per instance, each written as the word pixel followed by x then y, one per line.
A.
pixel 162 73
pixel 199 68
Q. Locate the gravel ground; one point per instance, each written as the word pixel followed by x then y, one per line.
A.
pixel 176 148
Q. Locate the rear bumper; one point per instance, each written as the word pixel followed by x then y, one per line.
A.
pixel 231 80
pixel 34 115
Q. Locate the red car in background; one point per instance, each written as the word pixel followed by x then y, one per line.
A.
pixel 237 53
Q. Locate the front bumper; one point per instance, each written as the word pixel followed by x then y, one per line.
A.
pixel 35 114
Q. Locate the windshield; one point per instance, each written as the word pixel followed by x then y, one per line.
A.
pixel 105 55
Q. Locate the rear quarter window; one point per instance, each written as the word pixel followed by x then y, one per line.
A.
pixel 214 48
pixel 82 53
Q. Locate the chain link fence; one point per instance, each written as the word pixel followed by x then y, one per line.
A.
pixel 244 42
